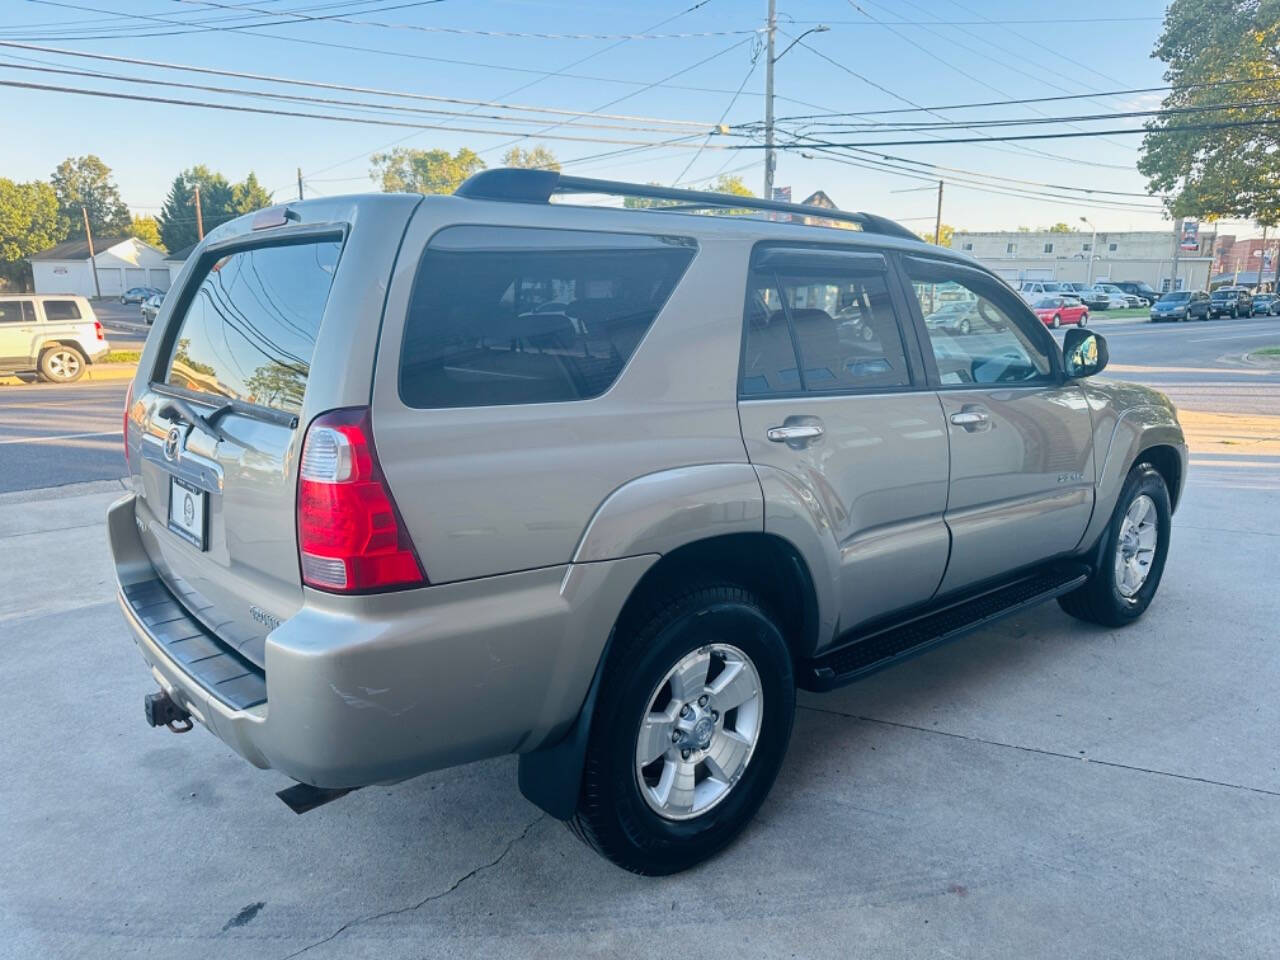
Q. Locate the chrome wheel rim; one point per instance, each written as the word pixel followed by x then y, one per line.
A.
pixel 1136 547
pixel 698 732
pixel 63 364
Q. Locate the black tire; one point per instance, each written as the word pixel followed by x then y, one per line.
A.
pixel 1099 600
pixel 62 364
pixel 1084 319
pixel 964 327
pixel 1057 321
pixel 613 817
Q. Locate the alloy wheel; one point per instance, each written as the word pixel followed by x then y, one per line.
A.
pixel 1136 545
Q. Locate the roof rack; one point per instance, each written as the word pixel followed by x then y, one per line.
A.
pixel 519 185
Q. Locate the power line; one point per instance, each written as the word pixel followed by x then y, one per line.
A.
pixel 372 91
pixel 487 33
pixel 983 22
pixel 755 59
pixel 318 116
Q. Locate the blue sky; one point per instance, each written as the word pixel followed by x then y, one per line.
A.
pixel 948 52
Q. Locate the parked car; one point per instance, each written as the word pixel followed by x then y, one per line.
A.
pixel 1055 311
pixel 1035 289
pixel 1109 299
pixel 57 336
pixel 1136 288
pixel 956 315
pixel 1129 300
pixel 150 307
pixel 1266 304
pixel 373 530
pixel 1230 302
pixel 1181 305
pixel 1091 298
pixel 138 294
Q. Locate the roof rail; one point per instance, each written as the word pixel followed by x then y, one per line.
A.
pixel 513 184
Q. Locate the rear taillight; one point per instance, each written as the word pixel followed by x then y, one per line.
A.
pixel 128 402
pixel 351 538
pixel 97 329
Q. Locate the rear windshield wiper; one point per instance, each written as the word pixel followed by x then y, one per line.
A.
pixel 206 422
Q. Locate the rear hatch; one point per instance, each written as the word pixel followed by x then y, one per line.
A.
pixel 217 423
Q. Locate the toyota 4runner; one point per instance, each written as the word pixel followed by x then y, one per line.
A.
pixel 418 481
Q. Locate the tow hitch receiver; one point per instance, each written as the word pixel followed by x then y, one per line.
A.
pixel 163 712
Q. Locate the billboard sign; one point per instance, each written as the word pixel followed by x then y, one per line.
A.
pixel 1189 235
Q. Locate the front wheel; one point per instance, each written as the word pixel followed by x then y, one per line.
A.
pixel 690 728
pixel 1133 554
pixel 1057 321
pixel 1084 319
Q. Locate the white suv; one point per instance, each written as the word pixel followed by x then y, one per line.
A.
pixel 55 335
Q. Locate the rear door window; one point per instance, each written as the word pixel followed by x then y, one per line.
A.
pixel 55 310
pixel 249 331
pixel 15 311
pixel 503 315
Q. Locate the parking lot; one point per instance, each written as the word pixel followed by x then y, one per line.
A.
pixel 1040 788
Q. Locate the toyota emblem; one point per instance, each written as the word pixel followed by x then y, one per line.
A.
pixel 173 443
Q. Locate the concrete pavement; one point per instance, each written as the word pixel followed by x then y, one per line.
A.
pixel 1041 789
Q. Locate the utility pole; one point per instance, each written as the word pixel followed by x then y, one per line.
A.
pixel 199 216
pixel 937 223
pixel 88 235
pixel 299 183
pixel 1177 251
pixel 768 102
pixel 1093 248
pixel 1262 259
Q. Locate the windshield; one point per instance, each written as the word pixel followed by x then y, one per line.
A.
pixel 1223 294
pixel 1052 286
pixel 1048 303
pixel 1178 297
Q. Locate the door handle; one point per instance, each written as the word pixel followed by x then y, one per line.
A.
pixel 794 432
pixel 971 419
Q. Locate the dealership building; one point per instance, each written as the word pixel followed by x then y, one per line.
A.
pixel 1080 256
pixel 122 263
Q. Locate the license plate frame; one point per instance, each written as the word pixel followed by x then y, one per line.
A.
pixel 189 512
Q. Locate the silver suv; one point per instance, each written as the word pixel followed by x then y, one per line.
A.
pixel 58 336
pixel 418 481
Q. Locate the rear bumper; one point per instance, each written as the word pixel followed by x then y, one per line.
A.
pixel 374 689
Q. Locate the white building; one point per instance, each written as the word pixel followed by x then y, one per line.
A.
pixel 121 263
pixel 1139 255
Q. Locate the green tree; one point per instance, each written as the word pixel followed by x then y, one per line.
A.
pixel 1061 227
pixel 1217 52
pixel 947 231
pixel 536 158
pixel 86 182
pixel 727 183
pixel 29 222
pixel 405 170
pixel 178 215
pixel 147 230
pixel 249 195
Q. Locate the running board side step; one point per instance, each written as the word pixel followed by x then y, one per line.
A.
pixel 887 645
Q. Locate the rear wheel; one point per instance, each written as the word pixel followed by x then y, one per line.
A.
pixel 1057 321
pixel 690 728
pixel 62 364
pixel 1084 319
pixel 1132 557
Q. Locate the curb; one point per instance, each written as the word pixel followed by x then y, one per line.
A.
pixel 99 372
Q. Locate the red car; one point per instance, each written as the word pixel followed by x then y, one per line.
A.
pixel 1055 311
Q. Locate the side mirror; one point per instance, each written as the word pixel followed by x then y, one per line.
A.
pixel 1084 353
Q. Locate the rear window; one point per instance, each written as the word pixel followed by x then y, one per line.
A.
pixel 61 310
pixel 503 315
pixel 250 330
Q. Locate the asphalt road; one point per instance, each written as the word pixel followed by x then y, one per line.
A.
pixel 53 435
pixel 122 323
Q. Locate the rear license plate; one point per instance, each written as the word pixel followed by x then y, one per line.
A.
pixel 188 508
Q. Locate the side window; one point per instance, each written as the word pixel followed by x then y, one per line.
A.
pixel 829 330
pixel 974 330
pixel 55 310
pixel 507 315
pixel 12 311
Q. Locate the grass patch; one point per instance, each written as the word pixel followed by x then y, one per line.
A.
pixel 1119 314
pixel 122 356
pixel 1267 352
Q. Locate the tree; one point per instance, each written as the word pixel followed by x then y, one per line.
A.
pixel 1061 227
pixel 537 158
pixel 727 183
pixel 29 222
pixel 86 182
pixel 947 231
pixel 405 170
pixel 147 230
pixel 1218 52
pixel 178 216
pixel 249 196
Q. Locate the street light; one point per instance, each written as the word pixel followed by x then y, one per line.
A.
pixel 1093 242
pixel 770 161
